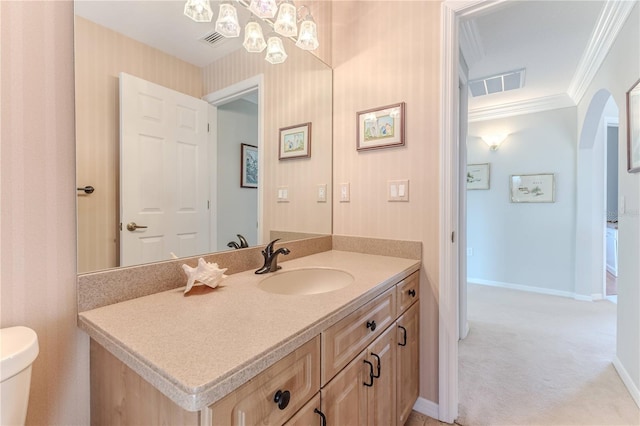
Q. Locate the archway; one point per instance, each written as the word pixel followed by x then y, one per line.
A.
pixel 590 197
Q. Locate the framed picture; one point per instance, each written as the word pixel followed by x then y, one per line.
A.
pixel 381 127
pixel 633 128
pixel 478 176
pixel 248 166
pixel 538 188
pixel 295 142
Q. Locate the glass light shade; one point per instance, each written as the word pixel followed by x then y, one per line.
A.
pixel 286 22
pixel 494 141
pixel 253 38
pixel 198 10
pixel 227 22
pixel 263 8
pixel 275 51
pixel 308 38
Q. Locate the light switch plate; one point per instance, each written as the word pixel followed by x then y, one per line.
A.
pixel 345 192
pixel 322 193
pixel 283 194
pixel 398 190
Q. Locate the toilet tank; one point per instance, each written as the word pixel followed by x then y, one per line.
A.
pixel 19 348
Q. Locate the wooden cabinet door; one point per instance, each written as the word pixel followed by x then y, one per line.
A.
pixel 382 395
pixel 344 399
pixel 408 359
pixel 309 415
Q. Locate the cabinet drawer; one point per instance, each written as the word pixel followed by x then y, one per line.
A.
pixel 345 339
pixel 253 403
pixel 408 291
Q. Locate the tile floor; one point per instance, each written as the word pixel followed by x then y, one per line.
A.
pixel 417 419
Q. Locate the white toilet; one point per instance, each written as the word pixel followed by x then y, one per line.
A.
pixel 19 347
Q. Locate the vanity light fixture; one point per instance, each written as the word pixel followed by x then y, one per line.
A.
pixel 198 10
pixel 227 22
pixel 285 24
pixel 253 37
pixel 494 141
pixel 275 51
pixel 308 37
pixel 264 8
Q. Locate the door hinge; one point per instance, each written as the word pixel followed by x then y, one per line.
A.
pixel 453 237
pixel 208 205
pixel 208 128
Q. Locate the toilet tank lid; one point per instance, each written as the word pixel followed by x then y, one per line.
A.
pixel 19 348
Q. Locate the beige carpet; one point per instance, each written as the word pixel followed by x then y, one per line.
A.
pixel 532 359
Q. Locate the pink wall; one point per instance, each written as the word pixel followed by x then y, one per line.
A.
pixel 392 55
pixel 38 229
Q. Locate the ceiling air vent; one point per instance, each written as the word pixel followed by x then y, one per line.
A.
pixel 497 83
pixel 212 39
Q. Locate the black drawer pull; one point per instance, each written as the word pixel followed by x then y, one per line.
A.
pixel 412 293
pixel 370 374
pixel 377 376
pixel 371 325
pixel 404 335
pixel 322 416
pixel 282 399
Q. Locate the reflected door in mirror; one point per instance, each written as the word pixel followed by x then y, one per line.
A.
pixel 164 179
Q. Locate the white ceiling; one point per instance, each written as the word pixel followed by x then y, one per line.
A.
pixel 547 38
pixel 163 25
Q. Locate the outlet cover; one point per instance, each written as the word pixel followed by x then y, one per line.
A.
pixel 345 192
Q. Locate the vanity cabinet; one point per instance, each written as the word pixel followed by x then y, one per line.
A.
pixel 361 370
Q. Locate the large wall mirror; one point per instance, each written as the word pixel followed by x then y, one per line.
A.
pixel 178 134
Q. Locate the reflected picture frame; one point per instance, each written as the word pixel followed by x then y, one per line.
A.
pixel 295 142
pixel 381 127
pixel 633 128
pixel 532 188
pixel 478 176
pixel 248 166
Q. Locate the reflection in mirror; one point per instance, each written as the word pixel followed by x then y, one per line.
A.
pixel 110 39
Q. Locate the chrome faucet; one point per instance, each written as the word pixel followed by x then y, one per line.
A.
pixel 271 258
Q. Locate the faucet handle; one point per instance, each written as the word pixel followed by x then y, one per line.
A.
pixel 243 241
pixel 269 248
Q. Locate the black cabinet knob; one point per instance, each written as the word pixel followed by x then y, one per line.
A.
pixel 412 293
pixel 372 325
pixel 282 398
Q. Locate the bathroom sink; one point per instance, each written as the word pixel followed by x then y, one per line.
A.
pixel 306 281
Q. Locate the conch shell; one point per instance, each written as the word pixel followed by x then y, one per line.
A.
pixel 205 273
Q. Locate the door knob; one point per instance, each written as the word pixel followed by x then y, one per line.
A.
pixel 131 226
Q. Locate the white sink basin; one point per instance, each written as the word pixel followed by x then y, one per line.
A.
pixel 306 281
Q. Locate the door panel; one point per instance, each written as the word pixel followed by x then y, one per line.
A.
pixel 164 178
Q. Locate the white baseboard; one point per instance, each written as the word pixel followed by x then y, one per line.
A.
pixel 626 379
pixel 531 289
pixel 426 407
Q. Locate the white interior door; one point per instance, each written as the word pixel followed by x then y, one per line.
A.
pixel 164 185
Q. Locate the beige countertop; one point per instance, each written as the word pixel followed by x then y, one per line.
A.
pixel 197 348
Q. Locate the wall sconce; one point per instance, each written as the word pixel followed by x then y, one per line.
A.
pixel 494 141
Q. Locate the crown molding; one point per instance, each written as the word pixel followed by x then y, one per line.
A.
pixel 470 42
pixel 528 106
pixel 611 20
